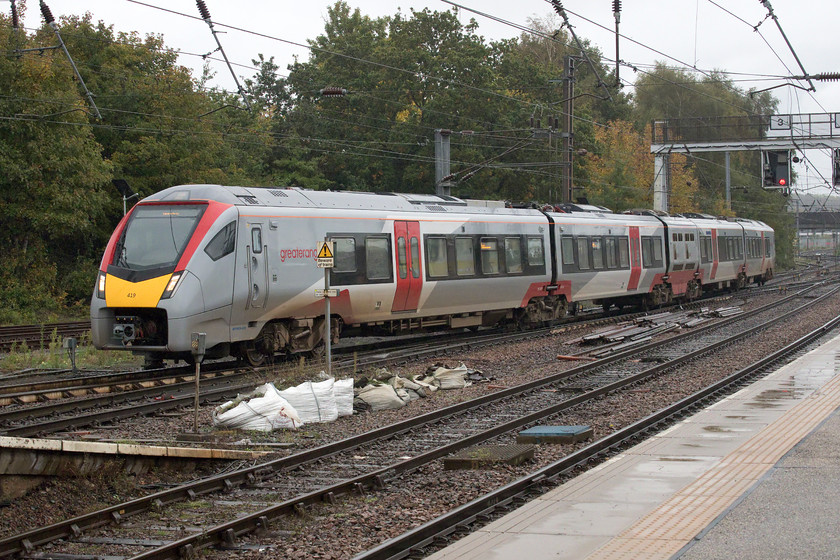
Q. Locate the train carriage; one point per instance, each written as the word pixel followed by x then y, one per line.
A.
pixel 242 264
pixel 239 265
pixel 611 259
pixel 734 252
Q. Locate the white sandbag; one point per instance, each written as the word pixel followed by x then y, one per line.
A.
pixel 343 390
pixel 398 382
pixel 449 378
pixel 380 397
pixel 428 388
pixel 263 410
pixel 314 402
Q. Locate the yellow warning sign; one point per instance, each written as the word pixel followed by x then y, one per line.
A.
pixel 325 250
pixel 325 255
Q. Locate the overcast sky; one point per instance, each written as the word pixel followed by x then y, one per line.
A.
pixel 693 32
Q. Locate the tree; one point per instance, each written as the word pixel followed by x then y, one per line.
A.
pixel 621 171
pixel 54 180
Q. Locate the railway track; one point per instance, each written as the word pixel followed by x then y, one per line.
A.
pixel 323 474
pixel 39 385
pixel 40 336
pixel 442 530
pixel 77 401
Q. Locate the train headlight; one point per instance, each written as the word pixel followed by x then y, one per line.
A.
pixel 172 285
pixel 100 286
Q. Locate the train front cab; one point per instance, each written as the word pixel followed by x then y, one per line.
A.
pixel 167 272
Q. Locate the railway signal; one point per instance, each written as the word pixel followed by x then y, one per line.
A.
pixel 835 167
pixel 776 165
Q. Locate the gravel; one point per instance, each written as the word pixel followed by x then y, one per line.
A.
pixel 358 523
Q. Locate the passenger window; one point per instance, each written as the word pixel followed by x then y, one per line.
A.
pixel 415 257
pixel 652 251
pixel 568 249
pixel 597 253
pixel 657 250
pixel 256 240
pixel 623 252
pixel 536 255
pixel 223 243
pixel 438 262
pixel 583 253
pixel 402 263
pixel 609 249
pixel 377 258
pixel 344 249
pixel 464 256
pixel 513 255
pixel 704 251
pixel 489 256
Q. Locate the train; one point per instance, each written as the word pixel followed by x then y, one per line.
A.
pixel 240 265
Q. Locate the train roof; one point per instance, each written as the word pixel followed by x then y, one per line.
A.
pixel 295 197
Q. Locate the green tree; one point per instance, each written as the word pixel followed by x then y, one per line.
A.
pixel 53 186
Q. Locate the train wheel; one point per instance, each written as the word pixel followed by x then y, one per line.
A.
pixel 152 361
pixel 319 351
pixel 253 356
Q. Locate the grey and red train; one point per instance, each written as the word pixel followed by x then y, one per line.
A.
pixel 239 264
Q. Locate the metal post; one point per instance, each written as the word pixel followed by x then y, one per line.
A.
pixel 568 139
pixel 661 184
pixel 328 327
pixel 198 343
pixel 728 185
pixel 443 181
pixel 197 377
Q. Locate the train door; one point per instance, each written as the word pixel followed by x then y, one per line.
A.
pixel 409 266
pixel 635 258
pixel 714 255
pixel 257 256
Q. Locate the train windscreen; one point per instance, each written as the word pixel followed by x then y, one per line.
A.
pixel 156 235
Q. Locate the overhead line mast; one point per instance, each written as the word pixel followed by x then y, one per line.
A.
pixel 617 14
pixel 766 4
pixel 205 15
pixel 558 7
pixel 48 17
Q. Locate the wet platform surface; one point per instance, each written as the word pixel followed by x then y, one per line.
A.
pixel 755 475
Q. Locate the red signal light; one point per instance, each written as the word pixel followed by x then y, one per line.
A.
pixel 782 182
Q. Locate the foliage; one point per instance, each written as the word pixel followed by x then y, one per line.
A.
pixel 52 354
pixel 52 189
pixel 407 75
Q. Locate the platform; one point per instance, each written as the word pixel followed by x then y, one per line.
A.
pixel 723 483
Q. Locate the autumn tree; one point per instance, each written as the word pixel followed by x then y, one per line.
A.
pixel 621 171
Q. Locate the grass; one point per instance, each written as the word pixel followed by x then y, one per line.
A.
pixel 52 355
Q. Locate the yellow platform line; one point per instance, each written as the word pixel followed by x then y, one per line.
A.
pixel 666 530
